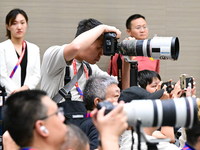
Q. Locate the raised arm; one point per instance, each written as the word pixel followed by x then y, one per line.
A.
pixel 84 40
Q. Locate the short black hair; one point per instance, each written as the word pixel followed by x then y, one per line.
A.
pixel 86 24
pixel 193 134
pixel 20 112
pixel 11 16
pixel 145 77
pixel 132 17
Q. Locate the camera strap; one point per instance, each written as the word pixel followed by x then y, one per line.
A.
pixel 63 92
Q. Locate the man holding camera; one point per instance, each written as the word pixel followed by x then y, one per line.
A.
pixel 136 27
pixel 97 89
pixel 138 93
pixel 42 126
pixel 87 46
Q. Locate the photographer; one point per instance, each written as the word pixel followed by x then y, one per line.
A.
pixel 45 129
pixel 87 46
pixel 137 93
pixel 110 126
pixel 100 88
pixel 97 89
pixel 136 26
pixel 151 81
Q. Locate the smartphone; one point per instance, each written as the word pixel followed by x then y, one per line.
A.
pixel 189 81
pixel 185 81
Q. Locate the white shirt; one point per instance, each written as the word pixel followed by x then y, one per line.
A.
pixel 8 60
pixel 53 72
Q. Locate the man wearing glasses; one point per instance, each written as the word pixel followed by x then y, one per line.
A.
pixel 38 124
pixel 136 26
pixel 34 120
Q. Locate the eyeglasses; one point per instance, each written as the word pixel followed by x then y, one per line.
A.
pixel 141 27
pixel 59 112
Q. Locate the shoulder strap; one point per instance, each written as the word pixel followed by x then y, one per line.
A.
pixel 67 77
pixel 119 71
pixel 111 59
pixel 63 92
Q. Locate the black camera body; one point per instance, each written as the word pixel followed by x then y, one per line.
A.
pixel 109 44
pixel 158 47
pixel 169 86
pixel 108 105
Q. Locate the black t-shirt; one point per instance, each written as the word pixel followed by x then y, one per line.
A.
pixel 23 65
pixel 90 130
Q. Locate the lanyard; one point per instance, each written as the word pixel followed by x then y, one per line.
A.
pixel 88 115
pixel 186 147
pixel 19 60
pixel 28 148
pixel 75 71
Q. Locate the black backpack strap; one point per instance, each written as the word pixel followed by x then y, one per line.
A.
pixel 111 58
pixel 67 77
pixel 119 71
pixel 63 92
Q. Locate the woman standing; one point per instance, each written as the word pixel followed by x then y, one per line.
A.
pixel 19 59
